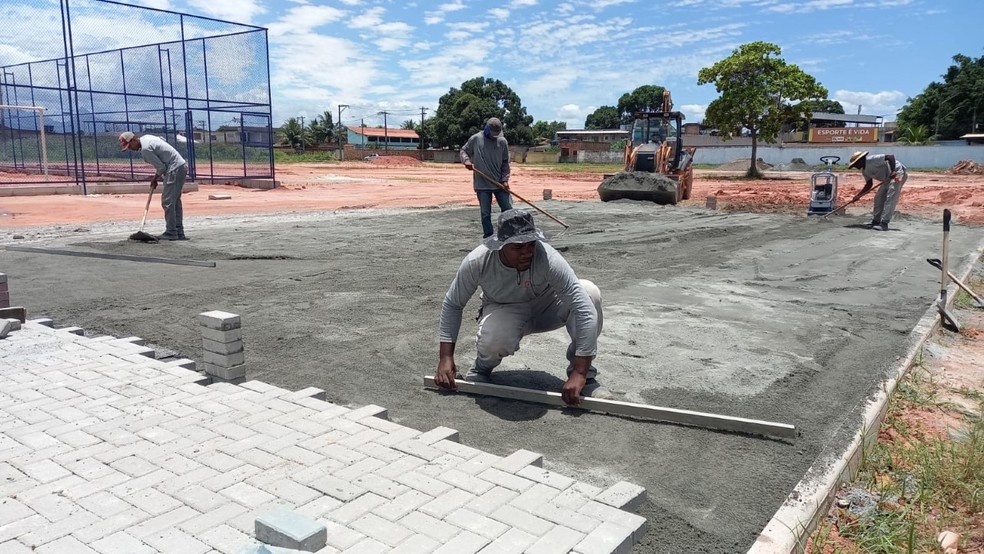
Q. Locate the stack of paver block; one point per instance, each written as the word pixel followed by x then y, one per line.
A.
pixel 4 293
pixel 222 341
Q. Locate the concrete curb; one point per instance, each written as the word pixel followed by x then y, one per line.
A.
pixel 792 524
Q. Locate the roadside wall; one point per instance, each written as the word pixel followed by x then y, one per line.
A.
pixel 600 157
pixel 941 157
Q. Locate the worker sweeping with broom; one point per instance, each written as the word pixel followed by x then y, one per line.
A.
pixel 890 174
pixel 172 168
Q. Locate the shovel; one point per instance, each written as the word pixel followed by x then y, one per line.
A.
pixel 839 208
pixel 946 319
pixel 141 235
pixel 498 184
pixel 935 262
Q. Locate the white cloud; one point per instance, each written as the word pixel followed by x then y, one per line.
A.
pixel 438 15
pixel 240 11
pixel 522 3
pixel 451 67
pixel 570 111
pixel 885 103
pixel 499 13
pixel 693 112
pixel 305 18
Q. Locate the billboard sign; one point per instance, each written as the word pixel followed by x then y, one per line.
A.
pixel 844 134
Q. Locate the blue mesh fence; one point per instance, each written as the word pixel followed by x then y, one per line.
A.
pixel 200 84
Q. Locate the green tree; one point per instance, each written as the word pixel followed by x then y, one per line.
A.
pixel 544 131
pixel 322 128
pixel 953 107
pixel 605 117
pixel 463 112
pixel 294 135
pixel 644 98
pixel 759 92
pixel 827 106
pixel 408 125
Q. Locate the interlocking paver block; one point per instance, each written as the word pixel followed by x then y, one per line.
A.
pixel 623 495
pixel 513 541
pixel 219 320
pixel 381 529
pixel 289 529
pixel 476 523
pixel 518 460
pixel 523 520
pixel 606 538
pixel 464 543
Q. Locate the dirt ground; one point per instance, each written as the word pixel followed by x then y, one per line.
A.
pixel 318 187
pixel 772 316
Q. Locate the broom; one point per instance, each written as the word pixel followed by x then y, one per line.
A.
pixel 141 235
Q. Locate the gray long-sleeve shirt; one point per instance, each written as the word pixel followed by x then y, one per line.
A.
pixel 160 154
pixel 877 168
pixel 549 279
pixel 490 156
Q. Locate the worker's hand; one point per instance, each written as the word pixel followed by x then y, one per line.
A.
pixel 153 183
pixel 572 388
pixel 469 166
pixel 504 185
pixel 445 375
pixel 897 178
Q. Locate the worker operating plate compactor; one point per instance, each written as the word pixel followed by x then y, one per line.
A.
pixel 823 188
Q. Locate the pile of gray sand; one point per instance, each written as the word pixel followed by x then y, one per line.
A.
pixel 638 185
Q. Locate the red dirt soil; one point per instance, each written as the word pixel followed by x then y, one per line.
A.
pixel 399 183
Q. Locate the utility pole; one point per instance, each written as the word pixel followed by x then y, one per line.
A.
pixel 302 133
pixel 339 124
pixel 385 130
pixel 420 134
pixel 363 123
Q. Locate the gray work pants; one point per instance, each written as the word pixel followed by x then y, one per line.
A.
pixel 171 201
pixel 502 326
pixel 887 198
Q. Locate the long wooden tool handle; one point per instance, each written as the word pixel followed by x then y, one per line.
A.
pixel 498 184
pixel 832 212
pixel 146 209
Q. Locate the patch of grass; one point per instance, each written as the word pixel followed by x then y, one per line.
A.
pixel 286 157
pixel 923 483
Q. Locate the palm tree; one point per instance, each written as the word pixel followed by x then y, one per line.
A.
pixel 294 135
pixel 322 128
pixel 409 125
pixel 916 134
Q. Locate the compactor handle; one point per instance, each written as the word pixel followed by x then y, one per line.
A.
pixel 829 160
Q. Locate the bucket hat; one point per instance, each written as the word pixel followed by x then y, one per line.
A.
pixel 515 226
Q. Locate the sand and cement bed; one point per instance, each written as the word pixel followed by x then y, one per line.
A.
pixel 772 317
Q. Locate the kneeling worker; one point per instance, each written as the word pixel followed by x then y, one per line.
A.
pixel 527 287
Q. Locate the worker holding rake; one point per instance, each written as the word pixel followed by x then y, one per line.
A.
pixel 890 174
pixel 486 154
pixel 527 287
pixel 170 167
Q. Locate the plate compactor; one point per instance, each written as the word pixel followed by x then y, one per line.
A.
pixel 823 188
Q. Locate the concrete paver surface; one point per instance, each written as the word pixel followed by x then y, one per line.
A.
pixel 770 317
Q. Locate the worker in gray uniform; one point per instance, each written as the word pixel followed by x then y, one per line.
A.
pixel 170 167
pixel 488 152
pixel 527 287
pixel 890 174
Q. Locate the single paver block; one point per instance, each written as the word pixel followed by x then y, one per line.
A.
pixel 223 348
pixel 221 321
pixel 220 197
pixel 17 313
pixel 226 373
pixel 44 321
pixel 222 336
pixel 5 328
pixel 624 496
pixel 225 360
pixel 289 529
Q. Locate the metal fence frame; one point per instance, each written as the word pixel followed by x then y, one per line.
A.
pixel 82 127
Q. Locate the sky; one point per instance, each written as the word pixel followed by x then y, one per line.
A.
pixel 565 58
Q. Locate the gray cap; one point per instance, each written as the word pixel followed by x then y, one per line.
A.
pixel 495 126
